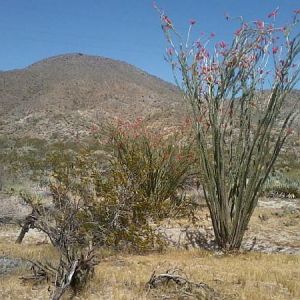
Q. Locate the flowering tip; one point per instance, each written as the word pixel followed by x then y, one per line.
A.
pixel 260 24
pixel 222 44
pixel 167 21
pixel 273 13
pixel 297 11
pixel 170 51
pixel 192 22
pixel 275 50
pixel 238 31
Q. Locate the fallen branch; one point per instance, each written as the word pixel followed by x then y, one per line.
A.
pixel 182 286
pixel 40 272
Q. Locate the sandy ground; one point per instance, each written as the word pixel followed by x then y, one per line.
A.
pixel 274 227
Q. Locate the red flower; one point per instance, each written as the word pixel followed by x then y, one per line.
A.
pixel 283 29
pixel 167 21
pixel 274 13
pixel 170 51
pixel 199 55
pixel 275 50
pixel 202 53
pixel 260 24
pixel 210 79
pixel 222 44
pixel 238 31
pixel 212 35
pixel 192 22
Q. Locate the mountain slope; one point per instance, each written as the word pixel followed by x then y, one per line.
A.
pixel 64 93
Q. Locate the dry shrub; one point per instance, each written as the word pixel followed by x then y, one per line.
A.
pixel 116 202
pixel 280 185
pixel 156 163
pixel 89 206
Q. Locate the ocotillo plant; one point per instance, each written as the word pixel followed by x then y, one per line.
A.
pixel 237 91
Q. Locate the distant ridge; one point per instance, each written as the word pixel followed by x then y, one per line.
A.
pixel 62 96
pixel 64 93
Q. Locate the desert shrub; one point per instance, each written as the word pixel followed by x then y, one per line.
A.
pixel 118 203
pixel 281 185
pixel 156 163
pixel 23 157
pixel 31 158
pixel 64 220
pixel 289 161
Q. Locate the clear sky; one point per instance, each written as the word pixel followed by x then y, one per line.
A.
pixel 128 30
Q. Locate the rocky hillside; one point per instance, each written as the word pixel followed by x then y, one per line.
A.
pixel 64 94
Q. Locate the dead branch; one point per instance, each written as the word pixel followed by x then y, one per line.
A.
pixel 182 286
pixel 40 272
pixel 61 289
pixel 74 273
pixel 28 224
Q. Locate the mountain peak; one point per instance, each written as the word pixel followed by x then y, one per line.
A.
pixel 99 88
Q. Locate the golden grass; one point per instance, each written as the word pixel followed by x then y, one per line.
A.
pixel 123 276
pixel 253 276
pixel 245 276
pixel 31 248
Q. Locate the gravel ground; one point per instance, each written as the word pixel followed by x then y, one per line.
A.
pixel 274 227
pixel 9 265
pixel 13 209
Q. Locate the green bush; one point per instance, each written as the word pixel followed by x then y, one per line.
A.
pixel 157 164
pixel 119 200
pixel 282 185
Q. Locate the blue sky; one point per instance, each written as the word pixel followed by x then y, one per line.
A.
pixel 128 30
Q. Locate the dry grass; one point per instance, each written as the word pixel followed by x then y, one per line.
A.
pixel 280 227
pixel 275 225
pixel 123 276
pixel 245 276
pixel 253 276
